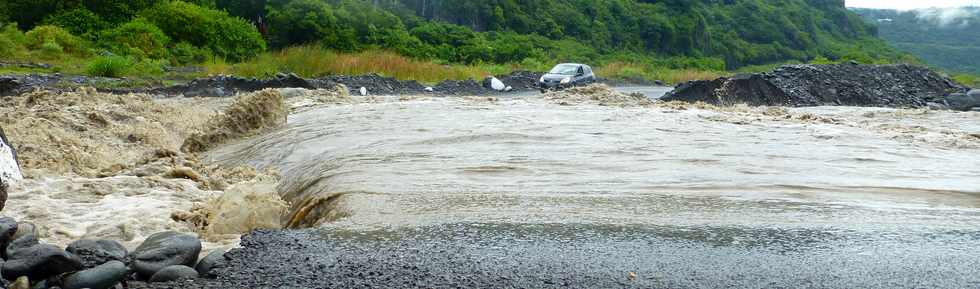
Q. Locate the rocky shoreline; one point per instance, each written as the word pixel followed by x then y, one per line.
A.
pixel 226 86
pixel 897 86
pixel 99 264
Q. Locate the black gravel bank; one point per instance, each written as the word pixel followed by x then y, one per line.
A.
pixel 835 84
pixel 586 256
pixel 223 86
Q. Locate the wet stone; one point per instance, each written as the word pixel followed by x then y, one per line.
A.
pixel 214 260
pixel 963 101
pixel 39 262
pixel 163 250
pixel 20 244
pixel 174 273
pixel 8 227
pixel 97 252
pixel 104 276
pixel 24 229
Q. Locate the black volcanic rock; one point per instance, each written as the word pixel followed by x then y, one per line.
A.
pixel 835 84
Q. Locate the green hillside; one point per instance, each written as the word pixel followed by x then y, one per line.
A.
pixel 698 34
pixel 947 38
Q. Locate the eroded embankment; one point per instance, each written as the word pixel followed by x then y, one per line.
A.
pixel 123 167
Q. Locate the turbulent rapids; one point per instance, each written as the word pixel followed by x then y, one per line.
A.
pixel 384 180
pixel 596 156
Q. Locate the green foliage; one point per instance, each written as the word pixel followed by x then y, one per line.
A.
pixel 50 50
pixel 147 67
pixel 12 41
pixel 79 21
pixel 970 80
pixel 307 21
pixel 46 34
pixel 184 53
pixel 28 13
pixel 225 36
pixel 109 66
pixel 138 38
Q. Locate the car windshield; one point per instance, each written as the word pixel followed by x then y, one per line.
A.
pixel 566 69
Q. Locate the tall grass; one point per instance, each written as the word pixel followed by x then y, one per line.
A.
pixel 313 61
pixel 624 70
pixel 108 66
pixel 970 80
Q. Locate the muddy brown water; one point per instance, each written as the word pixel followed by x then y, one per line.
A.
pixel 405 163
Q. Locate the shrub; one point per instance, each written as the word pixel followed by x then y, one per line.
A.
pixel 225 36
pixel 8 48
pixel 108 66
pixel 41 35
pixel 79 21
pixel 185 53
pixel 138 38
pixel 11 41
pixel 51 50
pixel 147 67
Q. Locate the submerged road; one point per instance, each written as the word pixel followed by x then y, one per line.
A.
pixel 525 193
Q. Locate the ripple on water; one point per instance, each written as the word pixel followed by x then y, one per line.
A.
pixel 530 161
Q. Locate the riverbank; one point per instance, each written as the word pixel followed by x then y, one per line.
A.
pixel 375 166
pixel 598 189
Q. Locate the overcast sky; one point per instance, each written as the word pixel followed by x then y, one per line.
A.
pixel 910 4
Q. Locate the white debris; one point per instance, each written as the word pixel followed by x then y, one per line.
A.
pixel 509 88
pixel 363 91
pixel 8 165
pixel 429 89
pixel 496 84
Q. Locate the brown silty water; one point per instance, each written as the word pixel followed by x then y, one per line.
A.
pixel 601 157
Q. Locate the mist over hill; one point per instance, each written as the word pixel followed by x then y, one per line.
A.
pixel 945 37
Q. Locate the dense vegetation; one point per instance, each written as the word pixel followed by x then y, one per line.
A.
pixel 947 38
pixel 633 36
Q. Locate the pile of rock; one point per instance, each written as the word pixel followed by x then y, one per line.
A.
pixel 373 83
pixel 100 264
pixel 836 84
pixel 522 80
pixel 225 86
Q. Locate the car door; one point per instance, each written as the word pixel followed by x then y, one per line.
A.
pixel 580 75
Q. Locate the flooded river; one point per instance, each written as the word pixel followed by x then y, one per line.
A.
pixel 405 163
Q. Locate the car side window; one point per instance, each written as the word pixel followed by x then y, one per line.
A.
pixel 581 70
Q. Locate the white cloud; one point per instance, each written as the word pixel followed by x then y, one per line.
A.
pixel 946 16
pixel 910 4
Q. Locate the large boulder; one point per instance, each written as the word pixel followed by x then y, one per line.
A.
pixel 97 252
pixel 104 276
pixel 835 84
pixel 39 262
pixel 24 237
pixel 8 227
pixel 163 250
pixel 963 101
pixel 214 260
pixel 174 273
